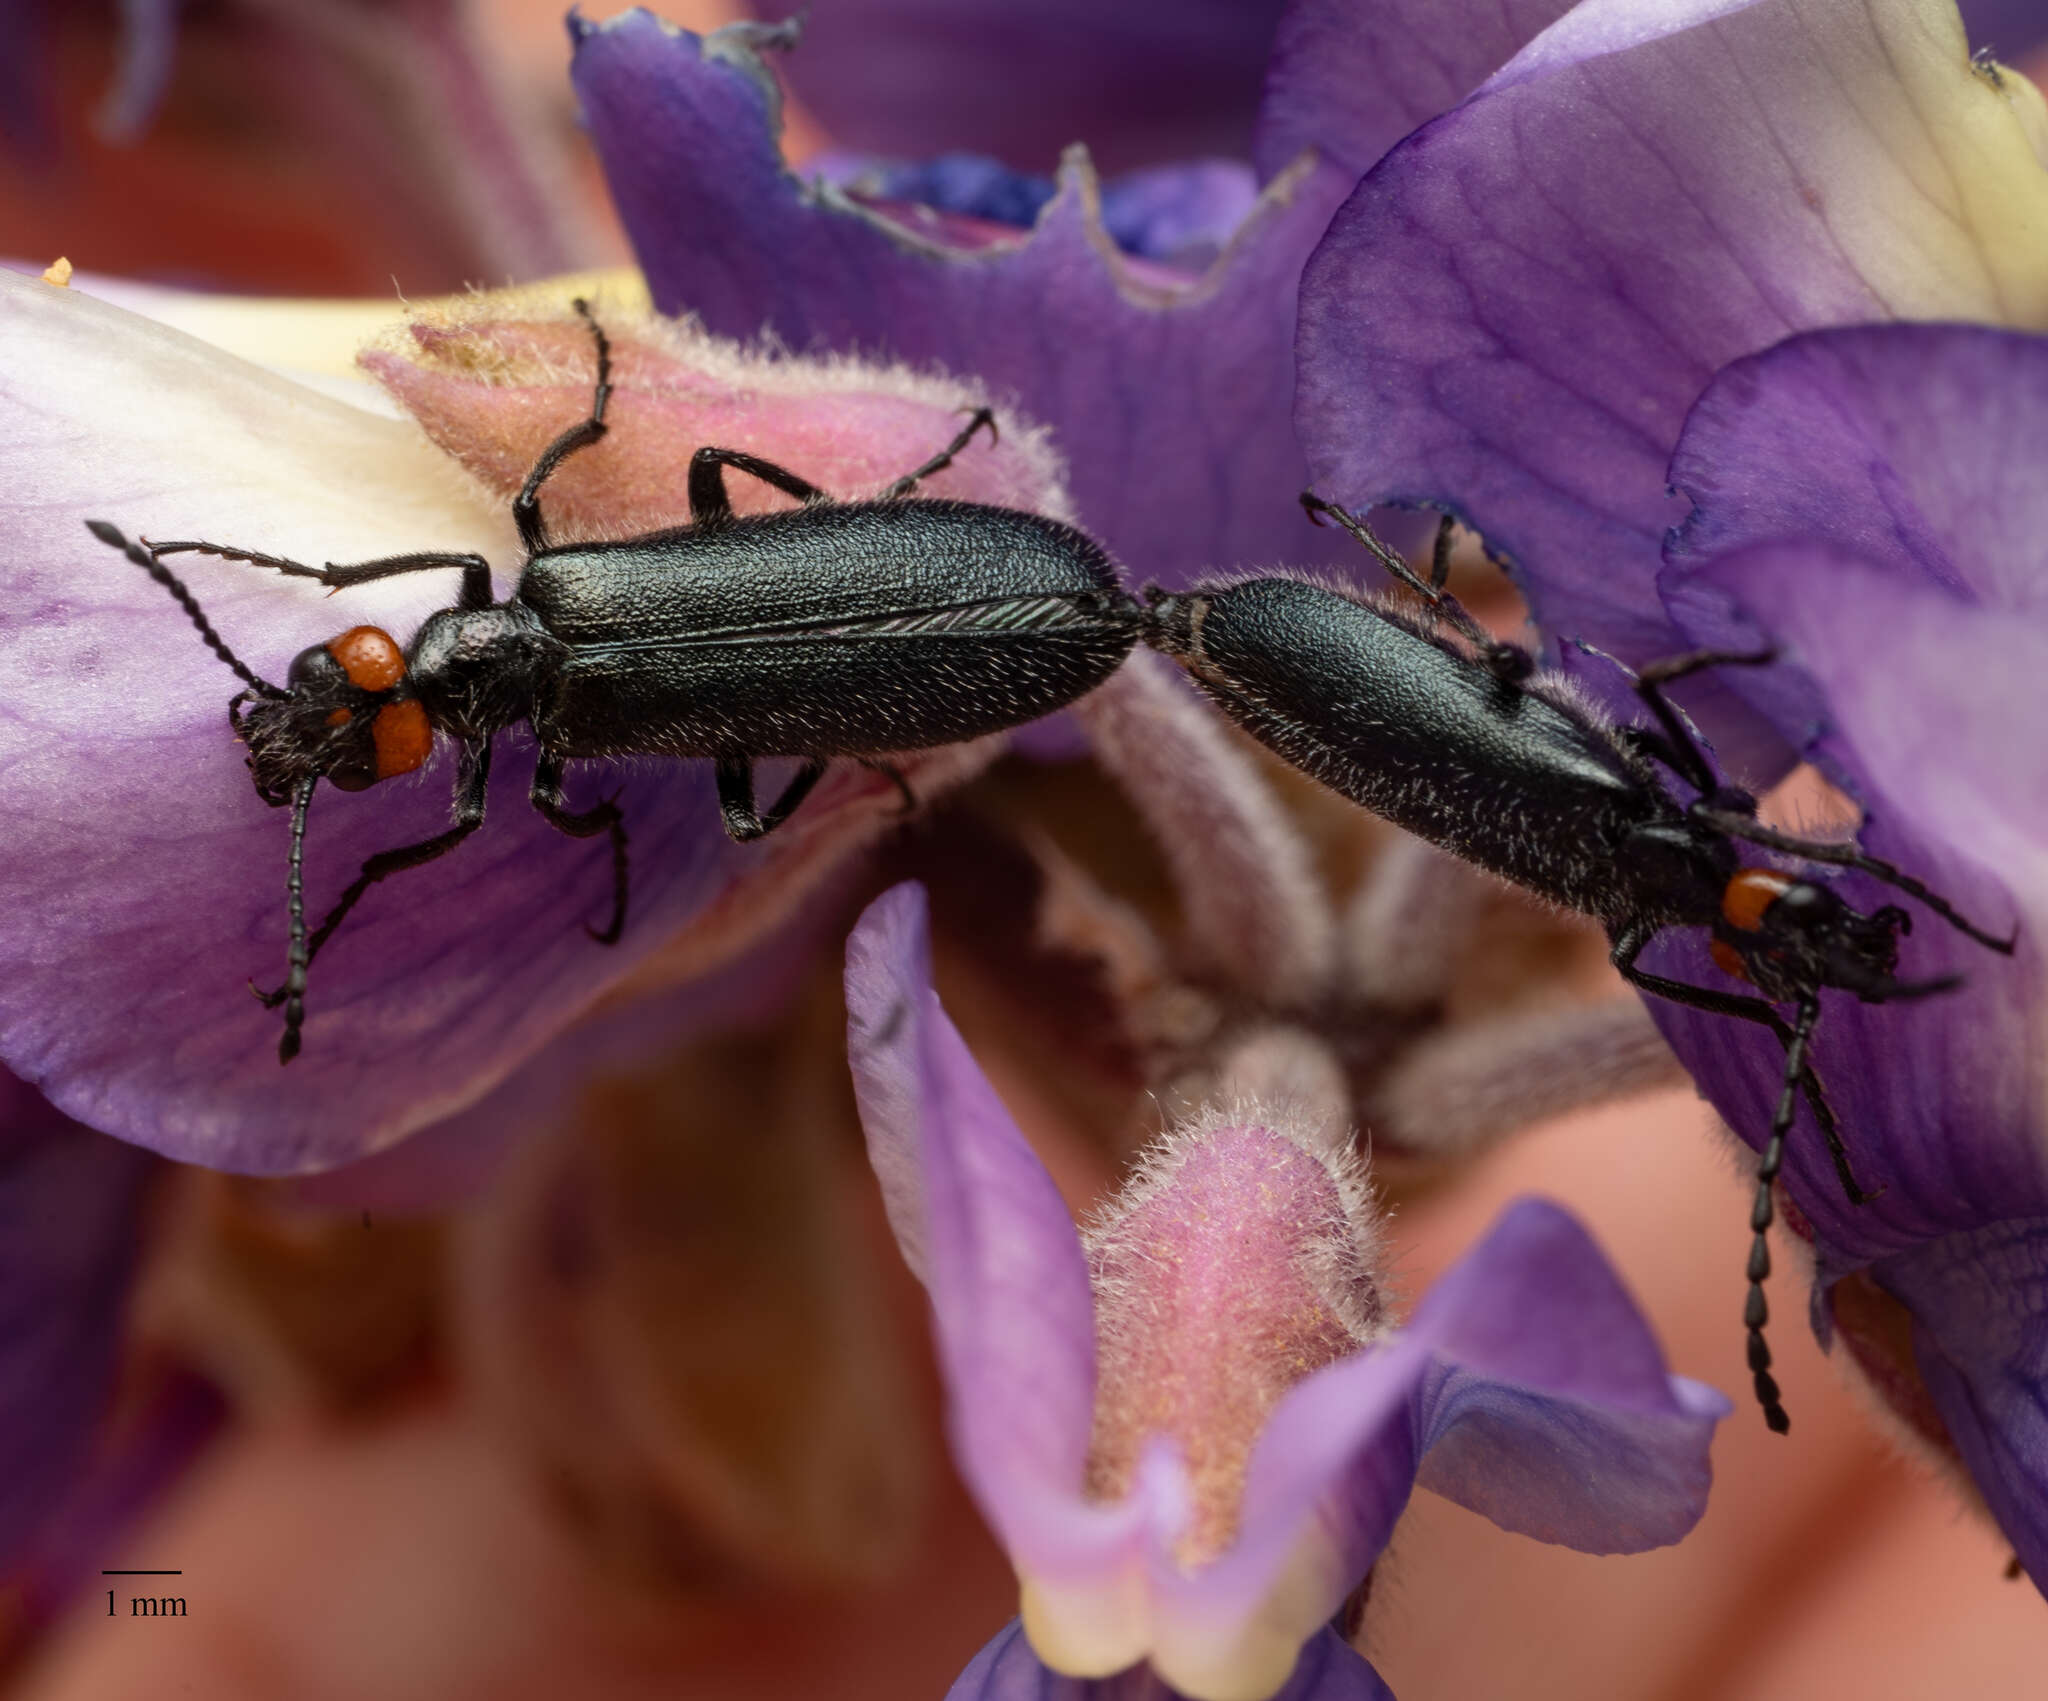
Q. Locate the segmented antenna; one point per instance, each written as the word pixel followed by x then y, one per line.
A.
pixel 170 581
pixel 300 955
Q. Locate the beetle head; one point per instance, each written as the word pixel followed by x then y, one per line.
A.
pixel 1791 937
pixel 345 716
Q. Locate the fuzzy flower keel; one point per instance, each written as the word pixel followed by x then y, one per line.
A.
pixel 1194 1432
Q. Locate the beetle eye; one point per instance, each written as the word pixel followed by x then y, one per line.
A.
pixel 1806 900
pixel 314 666
pixel 355 772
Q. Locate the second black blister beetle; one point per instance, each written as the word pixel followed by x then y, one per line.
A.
pixel 1428 720
pixel 836 629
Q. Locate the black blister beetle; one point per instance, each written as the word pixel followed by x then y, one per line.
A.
pixel 1428 720
pixel 836 629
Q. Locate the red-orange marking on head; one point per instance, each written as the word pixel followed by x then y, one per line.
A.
pixel 403 738
pixel 1749 892
pixel 1727 959
pixel 370 658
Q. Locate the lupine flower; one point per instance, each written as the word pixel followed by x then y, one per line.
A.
pixel 1194 1436
pixel 1145 83
pixel 1513 312
pixel 1512 317
pixel 1868 500
pixel 1168 388
pixel 1142 84
pixel 569 1310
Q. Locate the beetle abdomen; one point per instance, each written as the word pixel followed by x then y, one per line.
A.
pixel 1355 696
pixel 826 631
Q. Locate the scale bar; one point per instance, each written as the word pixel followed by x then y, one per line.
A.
pixel 142 1573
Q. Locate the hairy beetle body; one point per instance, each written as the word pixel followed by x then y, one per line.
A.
pixel 838 630
pixel 1442 729
pixel 834 629
pixel 1358 696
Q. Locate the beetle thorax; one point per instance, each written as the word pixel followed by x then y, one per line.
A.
pixel 480 670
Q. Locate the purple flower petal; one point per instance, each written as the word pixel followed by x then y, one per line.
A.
pixel 70 1226
pixel 1868 502
pixel 1909 628
pixel 1139 82
pixel 1351 81
pixel 1552 1413
pixel 1530 1354
pixel 145 887
pixel 1169 398
pixel 1916 448
pixel 1980 1337
pixel 1534 1386
pixel 1007 1670
pixel 2007 29
pixel 980 1221
pixel 1514 311
pixel 1940 1098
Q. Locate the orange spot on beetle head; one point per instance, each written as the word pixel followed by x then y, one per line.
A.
pixel 1727 959
pixel 1749 893
pixel 403 737
pixel 370 658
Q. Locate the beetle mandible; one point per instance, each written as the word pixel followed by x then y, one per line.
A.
pixel 835 628
pixel 1463 742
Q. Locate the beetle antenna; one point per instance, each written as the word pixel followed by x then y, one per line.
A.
pixel 147 561
pixel 1849 856
pixel 1756 1310
pixel 300 955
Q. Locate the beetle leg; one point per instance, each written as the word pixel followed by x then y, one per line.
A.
pixel 943 459
pixel 1440 554
pixel 533 533
pixel 736 796
pixel 708 500
pixel 472 775
pixel 1507 662
pixel 1629 945
pixel 587 824
pixel 1692 764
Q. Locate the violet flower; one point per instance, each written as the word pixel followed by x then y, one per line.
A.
pixel 1194 1434
pixel 1869 501
pixel 1513 312
pixel 1143 84
pixel 1167 390
pixel 1512 317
